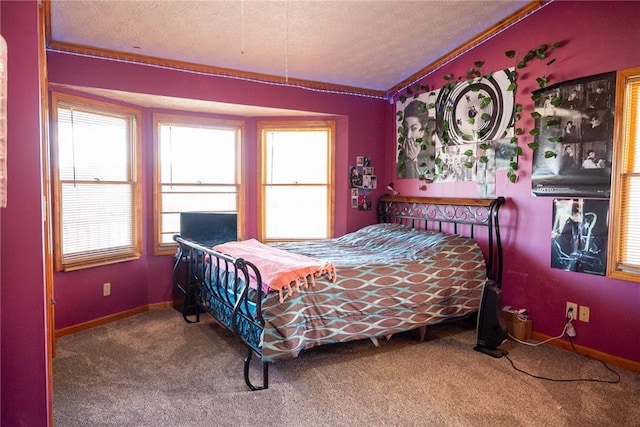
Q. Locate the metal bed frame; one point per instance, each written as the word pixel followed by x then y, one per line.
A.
pixel 230 289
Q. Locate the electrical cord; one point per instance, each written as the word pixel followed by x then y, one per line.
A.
pixel 535 344
pixel 540 377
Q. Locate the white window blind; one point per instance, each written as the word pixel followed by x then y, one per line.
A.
pixel 629 249
pixel 96 186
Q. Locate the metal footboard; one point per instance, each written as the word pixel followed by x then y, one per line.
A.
pixel 230 290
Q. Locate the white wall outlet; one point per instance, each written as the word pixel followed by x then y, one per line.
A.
pixel 106 289
pixel 571 306
pixel 585 312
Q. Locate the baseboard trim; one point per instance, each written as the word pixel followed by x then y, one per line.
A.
pixel 565 345
pixel 589 352
pixel 111 318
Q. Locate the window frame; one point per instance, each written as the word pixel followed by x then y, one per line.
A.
pixel 97 258
pixel 621 153
pixel 295 125
pixel 201 122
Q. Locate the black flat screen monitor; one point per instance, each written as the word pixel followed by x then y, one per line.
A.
pixel 209 228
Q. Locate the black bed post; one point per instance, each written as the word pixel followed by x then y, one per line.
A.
pixel 380 212
pixel 490 328
pixel 238 317
pixel 265 372
pixel 494 228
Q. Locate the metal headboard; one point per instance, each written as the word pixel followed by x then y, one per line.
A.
pixel 450 215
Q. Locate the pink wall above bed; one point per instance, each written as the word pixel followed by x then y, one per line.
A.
pixel 597 37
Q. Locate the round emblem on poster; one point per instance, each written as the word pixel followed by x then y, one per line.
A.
pixel 476 111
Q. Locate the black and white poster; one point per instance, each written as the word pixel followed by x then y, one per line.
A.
pixel 438 130
pixel 575 140
pixel 579 235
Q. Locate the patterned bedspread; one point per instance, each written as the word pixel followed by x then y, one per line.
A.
pixel 390 279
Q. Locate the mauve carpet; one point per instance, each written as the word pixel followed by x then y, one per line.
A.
pixel 153 369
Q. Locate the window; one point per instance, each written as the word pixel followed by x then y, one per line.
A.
pixel 197 170
pixel 96 185
pixel 624 245
pixel 296 181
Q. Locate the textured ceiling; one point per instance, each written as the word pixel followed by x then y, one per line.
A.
pixel 371 45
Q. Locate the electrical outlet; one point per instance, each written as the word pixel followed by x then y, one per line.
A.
pixel 574 310
pixel 585 312
pixel 106 289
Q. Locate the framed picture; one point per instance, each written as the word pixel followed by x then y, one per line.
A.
pixel 575 140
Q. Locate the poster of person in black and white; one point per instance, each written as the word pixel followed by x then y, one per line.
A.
pixel 575 140
pixel 579 235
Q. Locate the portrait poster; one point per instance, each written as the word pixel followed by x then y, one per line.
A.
pixel 461 114
pixel 579 235
pixel 575 140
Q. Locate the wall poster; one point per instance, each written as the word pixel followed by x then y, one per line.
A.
pixel 576 124
pixel 579 235
pixel 439 131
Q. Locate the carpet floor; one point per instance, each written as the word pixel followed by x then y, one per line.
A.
pixel 153 369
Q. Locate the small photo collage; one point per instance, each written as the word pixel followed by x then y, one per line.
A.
pixel 361 181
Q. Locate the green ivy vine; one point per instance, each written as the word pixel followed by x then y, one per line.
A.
pixel 474 75
pixel 542 52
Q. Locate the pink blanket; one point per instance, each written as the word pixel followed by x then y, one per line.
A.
pixel 280 270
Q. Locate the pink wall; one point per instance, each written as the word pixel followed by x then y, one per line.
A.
pixel 598 37
pixel 595 42
pixel 360 129
pixel 24 372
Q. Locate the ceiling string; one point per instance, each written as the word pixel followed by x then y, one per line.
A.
pixel 242 26
pixel 286 49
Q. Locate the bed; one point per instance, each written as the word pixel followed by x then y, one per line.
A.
pixel 425 261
